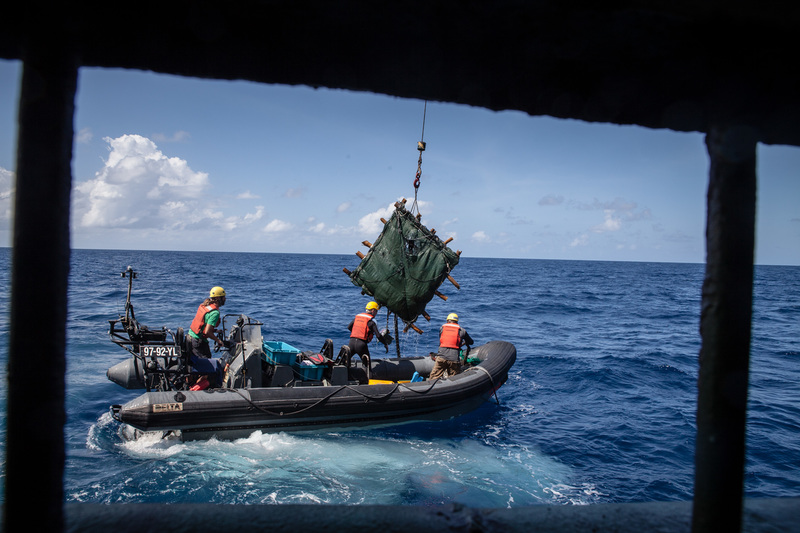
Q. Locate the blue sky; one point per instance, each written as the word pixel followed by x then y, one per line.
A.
pixel 168 163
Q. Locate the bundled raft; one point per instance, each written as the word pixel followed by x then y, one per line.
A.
pixel 405 266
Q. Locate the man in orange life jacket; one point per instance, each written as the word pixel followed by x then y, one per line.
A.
pixel 362 329
pixel 451 338
pixel 205 320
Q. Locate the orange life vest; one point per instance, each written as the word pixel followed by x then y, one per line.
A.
pixel 449 337
pixel 199 323
pixel 361 327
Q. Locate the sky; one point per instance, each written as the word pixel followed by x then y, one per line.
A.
pixel 170 163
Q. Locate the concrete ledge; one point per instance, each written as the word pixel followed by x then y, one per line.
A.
pixel 760 516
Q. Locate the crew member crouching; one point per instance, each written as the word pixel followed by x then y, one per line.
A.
pixel 451 338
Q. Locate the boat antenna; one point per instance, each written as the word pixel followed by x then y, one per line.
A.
pixel 130 274
pixel 421 148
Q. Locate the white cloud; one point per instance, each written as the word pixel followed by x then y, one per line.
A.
pixel 616 212
pixel 277 226
pixel 611 223
pixel 295 192
pixel 232 223
pixel 551 200
pixel 370 224
pixel 317 228
pixel 343 207
pixel 84 136
pixel 140 187
pixel 137 187
pixel 247 195
pixel 583 240
pixel 6 184
pixel 320 228
pixel 480 236
pixel 6 197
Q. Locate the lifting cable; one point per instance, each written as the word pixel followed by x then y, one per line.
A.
pixel 421 148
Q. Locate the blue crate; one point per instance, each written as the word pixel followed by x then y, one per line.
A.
pixel 280 353
pixel 309 372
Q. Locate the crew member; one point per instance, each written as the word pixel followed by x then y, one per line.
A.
pixel 205 320
pixel 451 338
pixel 362 330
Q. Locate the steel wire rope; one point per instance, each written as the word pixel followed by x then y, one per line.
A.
pixel 421 148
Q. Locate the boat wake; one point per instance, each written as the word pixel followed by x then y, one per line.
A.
pixel 364 467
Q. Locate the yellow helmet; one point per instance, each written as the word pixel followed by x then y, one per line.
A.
pixel 372 305
pixel 217 292
pixel 452 317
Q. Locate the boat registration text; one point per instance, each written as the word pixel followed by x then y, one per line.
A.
pixel 167 407
pixel 158 351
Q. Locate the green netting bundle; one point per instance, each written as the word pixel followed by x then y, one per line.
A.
pixel 405 266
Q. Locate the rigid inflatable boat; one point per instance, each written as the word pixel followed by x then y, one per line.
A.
pixel 270 386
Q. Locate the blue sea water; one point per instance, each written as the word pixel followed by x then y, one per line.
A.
pixel 599 407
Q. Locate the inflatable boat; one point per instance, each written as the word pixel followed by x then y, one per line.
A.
pixel 270 386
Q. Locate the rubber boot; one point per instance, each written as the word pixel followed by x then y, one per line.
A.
pixel 201 384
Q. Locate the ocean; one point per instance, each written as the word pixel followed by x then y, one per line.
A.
pixel 599 407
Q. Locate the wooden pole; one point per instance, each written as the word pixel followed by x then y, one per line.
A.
pixel 725 323
pixel 39 281
pixel 414 327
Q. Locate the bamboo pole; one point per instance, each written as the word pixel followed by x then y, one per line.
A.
pixel 414 327
pixel 396 337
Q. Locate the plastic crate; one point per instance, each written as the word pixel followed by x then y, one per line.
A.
pixel 309 372
pixel 280 353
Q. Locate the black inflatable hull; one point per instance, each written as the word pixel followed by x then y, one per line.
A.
pixel 232 413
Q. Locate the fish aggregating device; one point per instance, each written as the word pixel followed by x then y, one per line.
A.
pixel 405 266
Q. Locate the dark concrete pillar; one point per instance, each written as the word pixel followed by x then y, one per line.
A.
pixel 40 267
pixel 725 330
